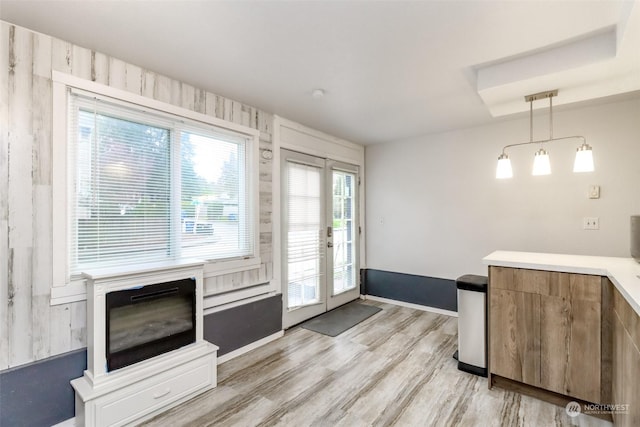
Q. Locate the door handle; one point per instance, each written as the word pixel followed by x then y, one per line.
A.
pixel 329 244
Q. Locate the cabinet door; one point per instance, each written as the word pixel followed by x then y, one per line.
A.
pixel 570 326
pixel 515 331
pixel 626 362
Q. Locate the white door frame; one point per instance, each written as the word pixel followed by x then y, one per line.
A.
pixel 291 135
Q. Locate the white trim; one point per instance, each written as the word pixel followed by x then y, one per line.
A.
pixel 247 348
pixel 318 134
pixel 241 296
pixel 276 211
pixel 414 306
pixel 59 185
pixel 218 268
pixel 71 422
pixel 122 95
pixel 210 308
pixel 73 292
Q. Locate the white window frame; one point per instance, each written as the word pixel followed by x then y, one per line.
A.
pixel 67 289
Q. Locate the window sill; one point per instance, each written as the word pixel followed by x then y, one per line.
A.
pixel 76 290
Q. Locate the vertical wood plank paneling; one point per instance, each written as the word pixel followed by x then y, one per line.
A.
pixel 81 62
pixel 176 93
pixel 236 115
pixel 148 84
pixel 42 271
pixel 41 102
pixel 117 74
pixel 199 101
pixel 42 46
pixel 227 110
pixel 61 54
pixel 41 321
pixel 245 115
pixel 20 203
pixel 162 88
pixel 4 187
pixel 41 129
pixel 100 68
pixel 210 104
pixel 219 107
pixel 187 97
pixel 78 325
pixel 60 329
pixel 19 322
pixel 133 78
pixel 4 294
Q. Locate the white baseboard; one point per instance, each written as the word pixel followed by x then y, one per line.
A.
pixel 415 306
pixel 247 348
pixel 71 422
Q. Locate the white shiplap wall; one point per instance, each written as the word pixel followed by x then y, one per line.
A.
pixel 30 327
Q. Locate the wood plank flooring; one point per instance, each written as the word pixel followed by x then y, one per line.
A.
pixel 395 368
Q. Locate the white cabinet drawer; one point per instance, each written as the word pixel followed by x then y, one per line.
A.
pixel 136 400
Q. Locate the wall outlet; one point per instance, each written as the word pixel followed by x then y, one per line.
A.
pixel 591 223
pixel 594 191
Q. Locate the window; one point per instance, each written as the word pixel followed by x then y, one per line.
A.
pixel 147 186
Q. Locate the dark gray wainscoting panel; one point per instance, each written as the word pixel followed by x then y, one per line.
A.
pixel 422 290
pixel 39 394
pixel 236 327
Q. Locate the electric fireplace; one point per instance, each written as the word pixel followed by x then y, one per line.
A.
pixel 148 321
pixel 145 346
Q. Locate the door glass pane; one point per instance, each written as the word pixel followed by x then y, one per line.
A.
pixel 304 234
pixel 344 233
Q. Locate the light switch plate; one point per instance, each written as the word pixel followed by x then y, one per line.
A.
pixel 594 191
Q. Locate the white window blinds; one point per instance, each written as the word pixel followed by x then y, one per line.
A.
pixel 146 186
pixel 305 236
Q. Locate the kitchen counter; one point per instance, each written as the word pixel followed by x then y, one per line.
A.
pixel 624 273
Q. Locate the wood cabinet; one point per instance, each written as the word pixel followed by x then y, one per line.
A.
pixel 545 330
pixel 626 362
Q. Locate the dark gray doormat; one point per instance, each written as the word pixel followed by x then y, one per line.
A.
pixel 337 321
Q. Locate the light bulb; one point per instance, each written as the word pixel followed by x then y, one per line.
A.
pixel 584 159
pixel 504 170
pixel 541 164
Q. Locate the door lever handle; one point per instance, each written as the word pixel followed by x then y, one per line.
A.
pixel 329 244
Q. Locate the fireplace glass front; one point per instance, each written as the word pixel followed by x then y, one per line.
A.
pixel 150 320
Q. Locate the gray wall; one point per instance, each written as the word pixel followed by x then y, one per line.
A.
pixel 434 207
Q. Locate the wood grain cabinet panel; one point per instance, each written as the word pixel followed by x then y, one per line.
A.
pixel 626 362
pixel 545 330
pixel 515 335
pixel 570 347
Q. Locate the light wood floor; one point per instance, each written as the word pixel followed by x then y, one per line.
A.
pixel 395 368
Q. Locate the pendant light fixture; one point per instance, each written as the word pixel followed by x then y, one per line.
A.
pixel 541 162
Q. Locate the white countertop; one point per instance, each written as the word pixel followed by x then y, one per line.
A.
pixel 623 272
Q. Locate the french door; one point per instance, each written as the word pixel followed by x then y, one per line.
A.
pixel 319 235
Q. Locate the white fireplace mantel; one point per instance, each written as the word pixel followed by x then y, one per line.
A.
pixel 146 388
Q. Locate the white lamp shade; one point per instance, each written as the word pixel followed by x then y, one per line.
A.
pixel 584 159
pixel 541 164
pixel 504 171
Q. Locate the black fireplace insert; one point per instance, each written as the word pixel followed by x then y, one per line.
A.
pixel 147 321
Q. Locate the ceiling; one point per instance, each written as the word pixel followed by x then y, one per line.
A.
pixel 390 69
